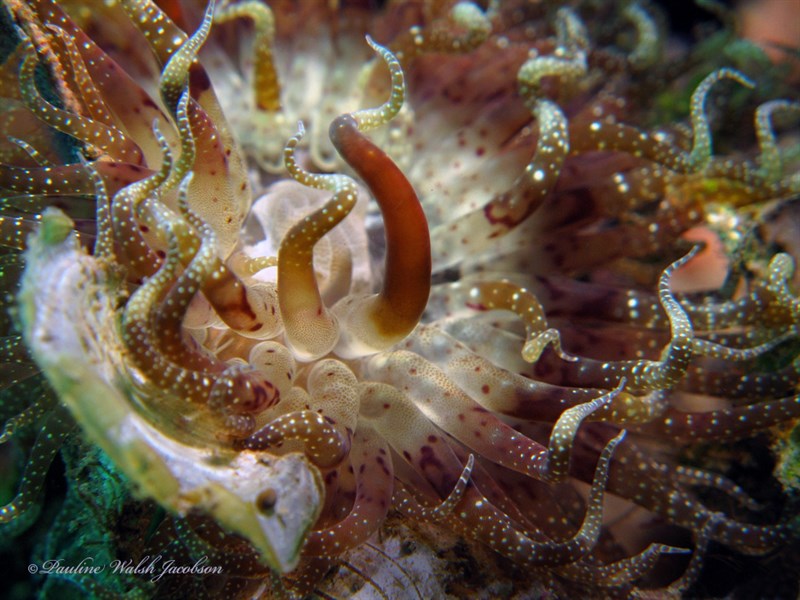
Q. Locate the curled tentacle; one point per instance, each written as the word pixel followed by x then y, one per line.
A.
pixel 474 426
pixel 163 36
pixel 40 406
pixel 648 47
pixel 152 333
pixel 518 396
pixel 374 488
pixel 699 477
pixel 374 323
pixel 266 85
pixel 700 155
pixel 94 133
pixel 622 572
pixel 703 537
pixel 681 506
pixel 127 215
pixel 653 375
pixel 726 423
pixel 247 309
pixel 771 168
pixel 568 65
pixel 311 330
pixel 58 425
pixel 448 505
pixel 220 189
pixel 323 442
pixel 508 296
pixel 90 95
pixel 472 26
pixel 478 230
pixel 479 519
pixel 175 74
pixel 37 156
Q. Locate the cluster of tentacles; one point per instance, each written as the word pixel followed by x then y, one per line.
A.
pixel 515 332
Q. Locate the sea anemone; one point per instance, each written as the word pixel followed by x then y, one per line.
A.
pixel 316 281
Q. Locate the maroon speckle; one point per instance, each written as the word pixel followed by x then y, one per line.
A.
pixel 429 459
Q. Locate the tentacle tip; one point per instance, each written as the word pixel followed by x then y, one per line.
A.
pixel 737 76
pixel 747 82
pixel 382 50
pixel 470 464
pixel 183 191
pixel 531 351
pixel 21 34
pixel 564 355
